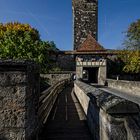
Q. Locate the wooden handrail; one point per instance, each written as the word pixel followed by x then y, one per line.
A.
pixel 48 98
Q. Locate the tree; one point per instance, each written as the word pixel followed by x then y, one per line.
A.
pixel 132 41
pixel 131 53
pixel 21 41
pixel 131 60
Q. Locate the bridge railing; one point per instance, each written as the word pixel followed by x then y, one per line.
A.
pixel 48 98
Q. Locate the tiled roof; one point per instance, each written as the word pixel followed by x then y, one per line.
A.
pixel 90 44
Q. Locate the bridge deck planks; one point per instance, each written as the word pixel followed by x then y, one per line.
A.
pixel 67 120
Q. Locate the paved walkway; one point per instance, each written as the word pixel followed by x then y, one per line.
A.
pixel 67 120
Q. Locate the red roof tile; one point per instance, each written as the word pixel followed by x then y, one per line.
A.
pixel 90 44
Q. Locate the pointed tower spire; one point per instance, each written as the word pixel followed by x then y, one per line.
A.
pixel 90 44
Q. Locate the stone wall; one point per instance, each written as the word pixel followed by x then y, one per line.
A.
pixel 108 116
pixel 19 94
pixel 66 62
pixel 52 78
pixel 132 87
pixel 85 16
pixel 125 77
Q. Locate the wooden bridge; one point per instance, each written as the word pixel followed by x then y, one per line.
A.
pixel 69 113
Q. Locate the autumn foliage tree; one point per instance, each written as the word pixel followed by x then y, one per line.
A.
pixel 21 41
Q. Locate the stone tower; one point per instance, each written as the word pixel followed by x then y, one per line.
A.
pixel 85 19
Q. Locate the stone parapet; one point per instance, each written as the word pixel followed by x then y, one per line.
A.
pixel 108 116
pixel 132 87
pixel 19 94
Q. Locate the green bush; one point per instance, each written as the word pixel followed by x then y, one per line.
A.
pixel 21 41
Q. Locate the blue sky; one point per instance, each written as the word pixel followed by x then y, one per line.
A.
pixel 53 19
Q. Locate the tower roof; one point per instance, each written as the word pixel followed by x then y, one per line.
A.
pixel 90 44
